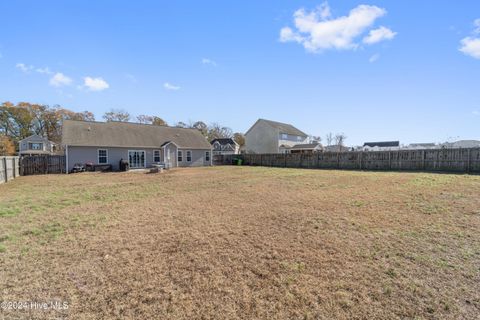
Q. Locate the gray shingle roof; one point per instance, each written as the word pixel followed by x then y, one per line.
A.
pixel 126 134
pixel 306 146
pixel 382 144
pixel 282 127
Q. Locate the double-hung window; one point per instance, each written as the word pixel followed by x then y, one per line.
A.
pixel 189 156
pixel 180 156
pixel 102 156
pixel 156 155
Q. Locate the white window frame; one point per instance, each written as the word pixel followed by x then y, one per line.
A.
pixel 209 156
pixel 179 155
pixel 159 156
pixel 144 158
pixel 186 155
pixel 106 156
pixel 40 145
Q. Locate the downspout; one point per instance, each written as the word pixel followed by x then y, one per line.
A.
pixel 66 159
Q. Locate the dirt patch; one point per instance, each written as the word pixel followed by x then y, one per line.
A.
pixel 242 242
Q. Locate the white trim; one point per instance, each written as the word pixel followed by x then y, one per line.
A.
pixel 186 155
pixel 98 156
pixel 181 151
pixel 159 155
pixel 144 158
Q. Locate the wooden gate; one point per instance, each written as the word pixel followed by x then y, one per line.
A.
pixel 42 164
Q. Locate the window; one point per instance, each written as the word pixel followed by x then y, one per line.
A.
pixel 207 156
pixel 102 156
pixel 284 136
pixel 189 156
pixel 35 146
pixel 156 155
pixel 180 156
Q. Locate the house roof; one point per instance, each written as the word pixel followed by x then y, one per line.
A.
pixel 463 144
pixel 306 146
pixel 224 141
pixel 35 137
pixel 127 134
pixel 382 144
pixel 282 127
pixel 429 144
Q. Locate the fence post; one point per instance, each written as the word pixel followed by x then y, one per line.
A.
pixel 423 159
pixel 468 159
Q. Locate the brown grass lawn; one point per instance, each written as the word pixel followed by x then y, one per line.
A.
pixel 242 242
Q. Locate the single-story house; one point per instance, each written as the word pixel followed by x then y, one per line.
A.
pixel 336 148
pixel 36 145
pixel 306 148
pixel 462 144
pixel 142 145
pixel 381 146
pixel 225 146
pixel 419 146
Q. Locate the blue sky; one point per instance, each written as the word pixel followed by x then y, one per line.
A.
pixel 375 70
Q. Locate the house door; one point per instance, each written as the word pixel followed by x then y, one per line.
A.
pixel 136 159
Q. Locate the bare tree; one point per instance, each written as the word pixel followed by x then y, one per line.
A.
pixel 329 138
pixel 340 140
pixel 116 115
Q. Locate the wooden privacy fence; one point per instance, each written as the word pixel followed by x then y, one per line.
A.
pixel 9 168
pixel 449 160
pixel 42 164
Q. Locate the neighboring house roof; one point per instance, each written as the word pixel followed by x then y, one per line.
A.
pixel 34 152
pixel 127 134
pixel 422 145
pixel 306 146
pixel 336 147
pixel 224 141
pixel 282 127
pixel 463 144
pixel 382 144
pixel 35 137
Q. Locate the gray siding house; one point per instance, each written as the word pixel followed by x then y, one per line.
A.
pixel 141 145
pixel 35 145
pixel 267 136
pixel 225 146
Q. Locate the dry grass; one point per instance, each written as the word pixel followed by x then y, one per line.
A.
pixel 243 242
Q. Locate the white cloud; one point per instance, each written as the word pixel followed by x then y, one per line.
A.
pixel 95 84
pixel 45 70
pixel 23 67
pixel 59 79
pixel 374 58
pixel 209 62
pixel 476 23
pixel 378 35
pixel 471 45
pixel 318 31
pixel 169 86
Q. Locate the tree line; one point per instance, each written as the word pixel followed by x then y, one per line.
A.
pixel 18 121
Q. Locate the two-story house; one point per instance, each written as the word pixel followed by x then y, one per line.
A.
pixel 36 145
pixel 225 146
pixel 267 136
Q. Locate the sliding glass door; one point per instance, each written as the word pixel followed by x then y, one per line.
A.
pixel 136 158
